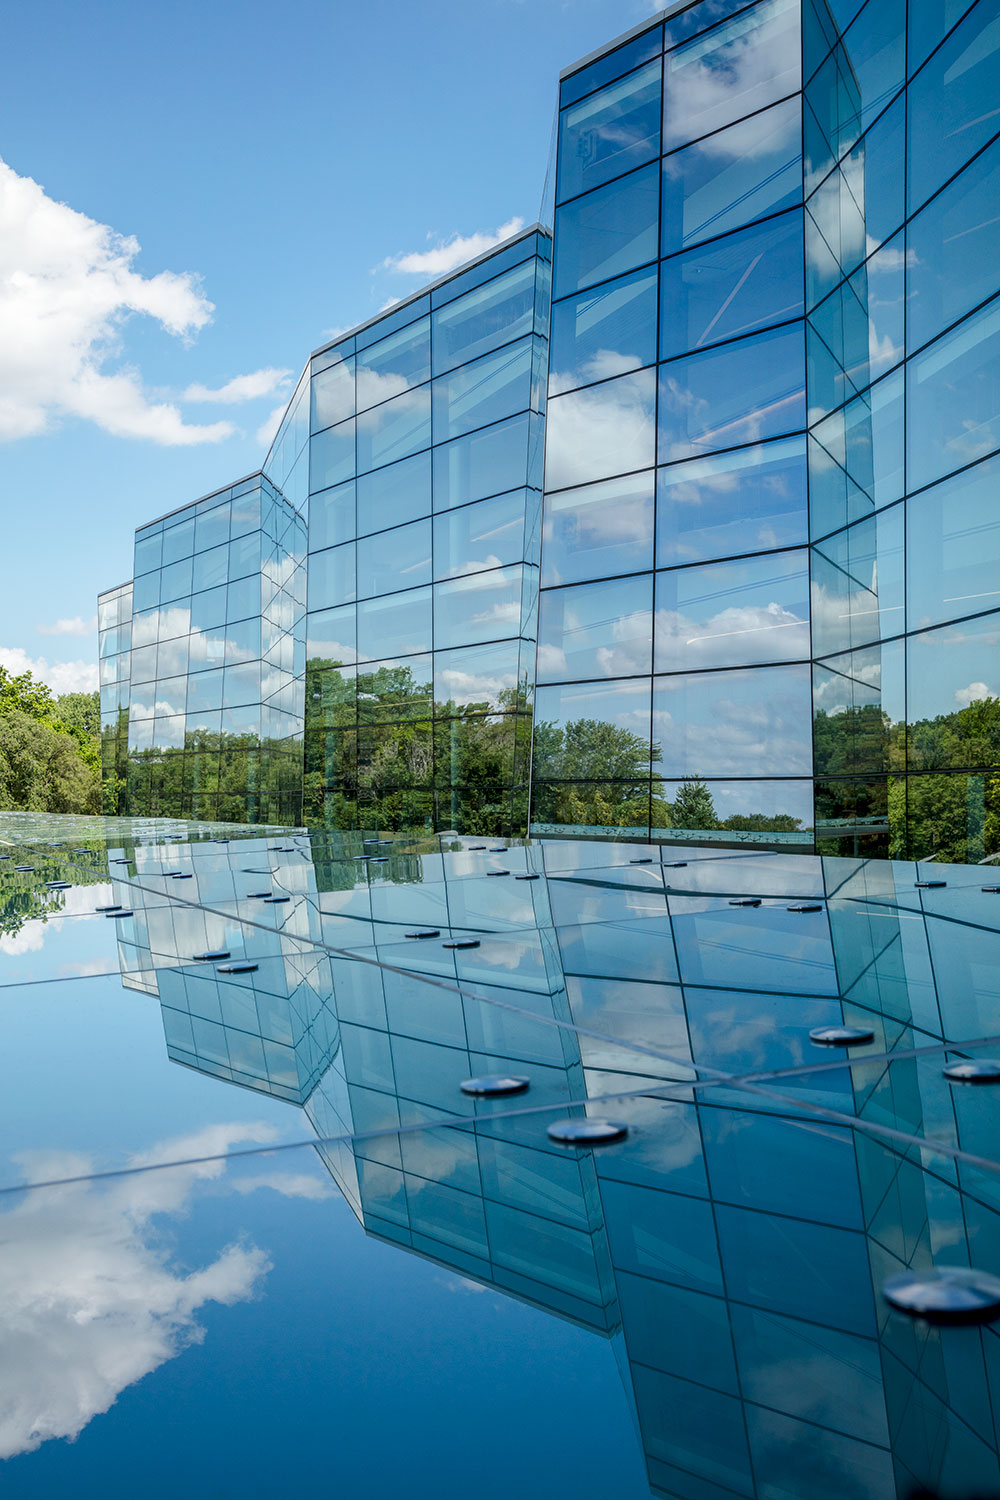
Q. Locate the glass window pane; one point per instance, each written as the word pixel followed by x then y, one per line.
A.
pixel 332 577
pixel 498 313
pixel 485 676
pixel 483 392
pixel 735 724
pixel 394 364
pixel 390 496
pixel 204 692
pixel 148 553
pixel 394 430
pixel 476 537
pixel 952 103
pixel 484 463
pixel 953 547
pixel 598 530
pixel 212 527
pixel 611 65
pixel 596 630
pixel 741 393
pixel 178 541
pixel 604 332
pixel 331 517
pixel 857 584
pixel 738 502
pixel 484 607
pixel 331 636
pixel 244 555
pixel 175 580
pixel 593 731
pixel 610 132
pixel 391 691
pixel 949 672
pixel 734 812
pixel 737 68
pixel 601 430
pixel 208 609
pixel 733 286
pixel 953 398
pixel 953 250
pixel 607 232
pixel 729 179
pixel 753 609
pixel 210 568
pixel 394 560
pixel 333 395
pixel 396 626
pixel 243 599
pixel 331 456
pixel 245 513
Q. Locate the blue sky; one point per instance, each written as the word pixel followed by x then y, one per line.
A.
pixel 192 196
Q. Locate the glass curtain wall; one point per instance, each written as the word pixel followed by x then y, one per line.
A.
pixel 425 481
pixel 114 635
pixel 673 681
pixel 217 660
pixel 903 249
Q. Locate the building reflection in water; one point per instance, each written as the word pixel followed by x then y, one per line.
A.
pixel 734 1246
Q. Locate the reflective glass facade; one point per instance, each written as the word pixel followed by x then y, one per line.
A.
pixel 216 675
pixel 754 368
pixel 424 513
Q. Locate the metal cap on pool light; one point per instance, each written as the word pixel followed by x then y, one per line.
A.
pixel 586 1132
pixel 973 1070
pixel 492 1084
pixel 841 1036
pixel 945 1294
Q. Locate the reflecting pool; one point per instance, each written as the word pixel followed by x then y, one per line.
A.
pixel 254 1233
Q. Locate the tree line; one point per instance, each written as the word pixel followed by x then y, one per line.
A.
pixel 50 748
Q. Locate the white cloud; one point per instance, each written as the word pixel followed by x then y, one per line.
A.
pixel 268 429
pixel 67 288
pixel 89 1301
pixel 240 388
pixel 447 254
pixel 61 676
pixel 76 626
pixel 975 692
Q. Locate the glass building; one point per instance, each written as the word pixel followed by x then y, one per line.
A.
pixel 770 434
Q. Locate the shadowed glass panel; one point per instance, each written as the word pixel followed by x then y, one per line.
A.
pixel 607 232
pixel 609 132
pixel 497 313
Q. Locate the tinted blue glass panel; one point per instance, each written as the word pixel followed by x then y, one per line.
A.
pixel 394 364
pixel 210 568
pixel 571 740
pixel 744 501
pixel 741 174
pixel 953 250
pixel 331 635
pixel 953 398
pixel 483 607
pixel 611 65
pixel 393 560
pixel 397 626
pixel 949 670
pixel 857 584
pixel 598 530
pixel 331 517
pixel 735 613
pixel 394 430
pixel 498 313
pixel 483 392
pixel 953 547
pixel 596 630
pixel 928 21
pixel 244 556
pixel 743 392
pixel 739 67
pixel 733 286
pixel 397 493
pixel 178 541
pixel 212 527
pixel 723 725
pixel 952 103
pixel 484 675
pixel 243 599
pixel 332 577
pixel 607 232
pixel 331 456
pixel 476 537
pixel 484 463
pixel 148 552
pixel 610 132
pixel 175 580
pixel 333 395
pixel 601 430
pixel 602 332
